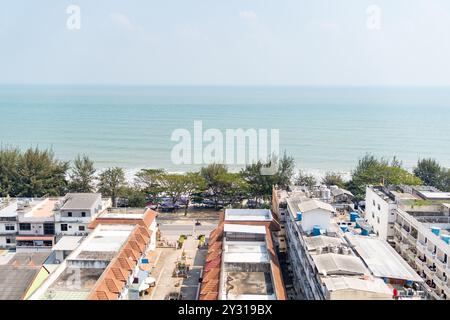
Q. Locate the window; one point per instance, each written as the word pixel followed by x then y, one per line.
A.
pixel 373 215
pixel 63 227
pixel 81 228
pixel 9 227
pixel 83 214
pixel 8 240
pixel 379 208
pixel 378 219
pixel 373 201
pixel 25 226
pixel 69 214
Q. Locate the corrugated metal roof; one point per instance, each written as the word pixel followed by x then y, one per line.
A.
pixel 313 204
pixel 313 243
pixel 381 259
pixel 348 283
pixel 335 264
pixel 77 201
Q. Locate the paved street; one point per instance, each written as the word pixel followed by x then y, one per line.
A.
pixel 173 230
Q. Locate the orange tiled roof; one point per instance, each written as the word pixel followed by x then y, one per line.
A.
pixel 113 279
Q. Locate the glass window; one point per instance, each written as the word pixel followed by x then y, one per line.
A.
pixel 81 228
pixel 25 226
pixel 63 227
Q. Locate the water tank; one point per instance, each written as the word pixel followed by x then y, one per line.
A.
pixel 299 216
pixel 436 230
pixel 344 228
pixel 316 231
pixel 446 238
pixel 353 216
pixel 364 232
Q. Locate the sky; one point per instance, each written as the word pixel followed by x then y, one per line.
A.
pixel 233 42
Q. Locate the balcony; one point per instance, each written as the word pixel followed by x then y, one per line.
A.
pixel 430 255
pixel 440 283
pixel 429 271
pixel 404 233
pixel 421 247
pixel 419 263
pixel 440 264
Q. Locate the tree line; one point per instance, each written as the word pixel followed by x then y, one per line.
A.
pixel 37 173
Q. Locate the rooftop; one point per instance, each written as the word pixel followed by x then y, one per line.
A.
pixel 350 283
pixel 67 243
pixel 338 264
pixel 248 215
pixel 381 259
pixel 80 201
pixel 38 208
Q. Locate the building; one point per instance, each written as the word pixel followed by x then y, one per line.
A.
pixel 105 266
pixel 419 229
pixel 327 254
pixel 21 274
pixel 241 262
pixel 8 223
pixel 77 211
pixel 36 223
pixel 144 217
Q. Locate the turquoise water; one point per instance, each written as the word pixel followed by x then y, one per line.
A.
pixel 323 128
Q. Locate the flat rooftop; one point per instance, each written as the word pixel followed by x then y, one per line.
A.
pixel 248 215
pixel 245 252
pixel 40 208
pixel 8 207
pixel 123 213
pixel 381 259
pixel 67 243
pixel 435 195
pixel 248 283
pixel 80 201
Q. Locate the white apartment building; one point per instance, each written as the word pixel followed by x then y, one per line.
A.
pixel 77 211
pixel 416 220
pixel 8 222
pixel 329 259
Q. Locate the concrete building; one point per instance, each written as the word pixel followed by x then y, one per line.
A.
pixel 8 223
pixel 105 266
pixel 418 228
pixel 241 262
pixel 36 224
pixel 21 274
pixel 77 211
pixel 145 217
pixel 328 260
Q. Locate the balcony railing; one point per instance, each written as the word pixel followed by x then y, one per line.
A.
pixel 440 264
pixel 419 262
pixel 421 247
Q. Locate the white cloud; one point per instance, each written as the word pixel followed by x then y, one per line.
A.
pixel 122 21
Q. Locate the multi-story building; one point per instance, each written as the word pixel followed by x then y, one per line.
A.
pixel 36 224
pixel 332 256
pixel 241 262
pixel 418 227
pixel 8 222
pixel 77 211
pixel 105 266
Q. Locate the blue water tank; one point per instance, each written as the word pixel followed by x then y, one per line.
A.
pixel 353 216
pixel 364 232
pixel 436 230
pixel 446 238
pixel 344 228
pixel 316 231
pixel 299 216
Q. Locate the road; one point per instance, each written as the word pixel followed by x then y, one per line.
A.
pixel 174 230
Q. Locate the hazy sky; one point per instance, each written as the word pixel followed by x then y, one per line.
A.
pixel 236 42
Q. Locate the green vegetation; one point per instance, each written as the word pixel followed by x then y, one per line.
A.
pixel 333 179
pixel 373 171
pixel 37 173
pixel 432 174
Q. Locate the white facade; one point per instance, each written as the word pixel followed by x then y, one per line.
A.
pixel 380 213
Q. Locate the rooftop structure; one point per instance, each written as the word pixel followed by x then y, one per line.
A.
pixel 20 273
pixel 248 215
pixel 80 201
pixel 241 263
pixel 102 264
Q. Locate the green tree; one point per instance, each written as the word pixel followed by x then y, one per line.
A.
pixel 135 195
pixel 213 175
pixel 83 175
pixel 111 182
pixel 373 171
pixel 40 174
pixel 147 180
pixel 429 171
pixel 304 179
pixel 192 184
pixel 333 179
pixel 9 159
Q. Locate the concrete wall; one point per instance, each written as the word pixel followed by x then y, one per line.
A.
pixel 315 217
pixel 379 215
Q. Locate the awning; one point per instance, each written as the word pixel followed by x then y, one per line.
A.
pixel 32 238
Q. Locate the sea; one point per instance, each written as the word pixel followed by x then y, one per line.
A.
pixel 323 128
